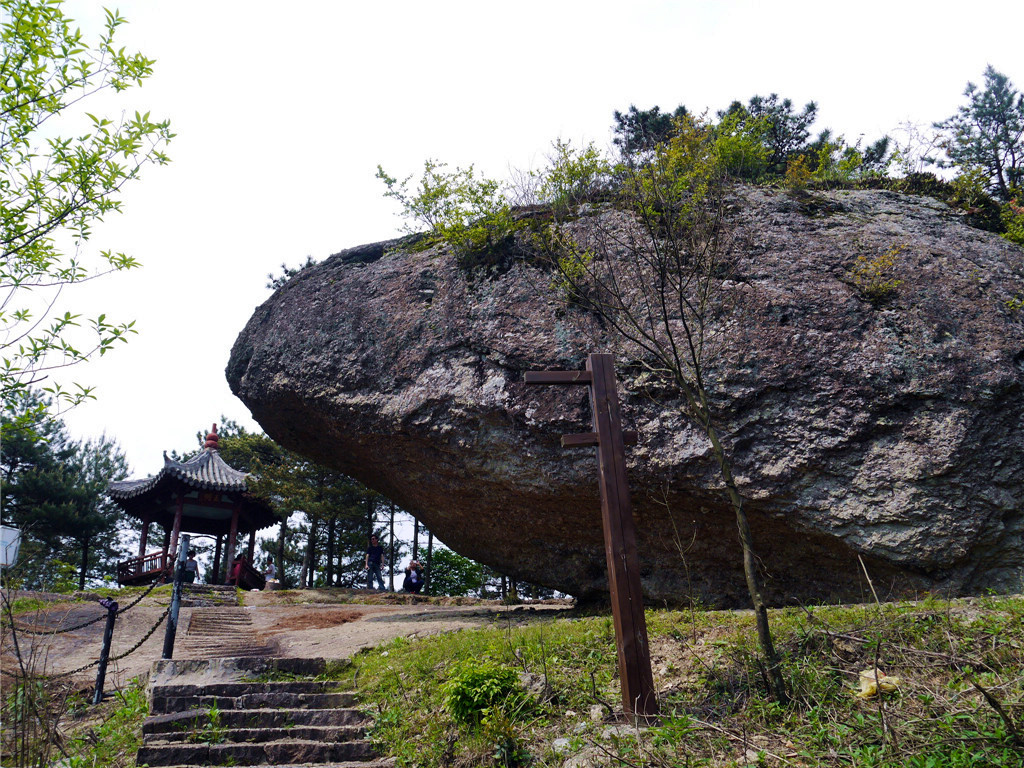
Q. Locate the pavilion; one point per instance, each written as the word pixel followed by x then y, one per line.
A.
pixel 202 495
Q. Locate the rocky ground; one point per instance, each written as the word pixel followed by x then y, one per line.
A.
pixel 328 623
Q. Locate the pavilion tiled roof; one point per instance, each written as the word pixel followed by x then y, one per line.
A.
pixel 206 471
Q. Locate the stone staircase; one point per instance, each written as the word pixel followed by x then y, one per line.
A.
pixel 199 718
pixel 208 595
pixel 218 627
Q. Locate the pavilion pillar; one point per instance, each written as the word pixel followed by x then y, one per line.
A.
pixel 144 539
pixel 252 545
pixel 216 563
pixel 167 540
pixel 177 521
pixel 229 549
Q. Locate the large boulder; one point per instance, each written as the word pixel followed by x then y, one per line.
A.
pixel 870 441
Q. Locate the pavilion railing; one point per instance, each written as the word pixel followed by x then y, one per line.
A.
pixel 137 568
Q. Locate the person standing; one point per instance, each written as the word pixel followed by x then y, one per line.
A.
pixel 374 553
pixel 191 568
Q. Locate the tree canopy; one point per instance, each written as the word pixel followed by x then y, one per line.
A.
pixel 639 130
pixel 62 170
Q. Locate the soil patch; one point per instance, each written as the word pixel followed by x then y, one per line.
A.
pixel 315 620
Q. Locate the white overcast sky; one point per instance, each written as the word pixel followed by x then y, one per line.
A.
pixel 284 110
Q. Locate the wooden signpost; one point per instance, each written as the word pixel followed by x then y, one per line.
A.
pixel 638 695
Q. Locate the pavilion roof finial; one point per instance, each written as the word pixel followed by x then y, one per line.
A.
pixel 211 439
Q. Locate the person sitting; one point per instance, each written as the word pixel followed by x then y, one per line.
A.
pixel 413 578
pixel 271 570
pixel 236 570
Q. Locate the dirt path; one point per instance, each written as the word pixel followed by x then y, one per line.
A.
pixel 313 623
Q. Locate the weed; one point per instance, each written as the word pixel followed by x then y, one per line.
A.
pixel 213 730
pixel 876 278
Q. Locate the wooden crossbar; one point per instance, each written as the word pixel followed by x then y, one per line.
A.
pixel 629 437
pixel 558 377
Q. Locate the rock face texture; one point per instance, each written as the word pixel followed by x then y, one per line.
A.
pixel 886 440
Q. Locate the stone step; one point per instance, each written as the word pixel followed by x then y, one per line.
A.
pixel 167 670
pixel 272 752
pixel 219 644
pixel 243 687
pixel 208 595
pixel 218 629
pixel 165 704
pixel 329 734
pixel 203 601
pixel 236 652
pixel 383 763
pixel 219 621
pixel 196 719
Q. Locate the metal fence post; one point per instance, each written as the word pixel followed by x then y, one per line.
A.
pixel 108 634
pixel 172 617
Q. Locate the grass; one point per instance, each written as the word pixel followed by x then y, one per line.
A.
pixel 26 604
pixel 112 735
pixel 76 733
pixel 959 700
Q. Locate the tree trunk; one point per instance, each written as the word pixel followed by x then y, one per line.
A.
pixel 504 587
pixel 764 634
pixel 329 565
pixel 307 558
pixel 282 534
pixel 391 554
pixel 371 516
pixel 430 554
pixel 415 539
pixel 84 567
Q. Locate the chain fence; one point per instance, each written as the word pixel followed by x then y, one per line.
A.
pixel 101 617
pixel 118 657
pixel 49 633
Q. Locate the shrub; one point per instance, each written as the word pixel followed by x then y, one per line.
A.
pixel 467 211
pixel 798 174
pixel 1012 215
pixel 477 689
pixel 876 278
pixel 572 175
pixel 741 148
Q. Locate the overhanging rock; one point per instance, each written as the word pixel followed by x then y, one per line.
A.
pixel 892 436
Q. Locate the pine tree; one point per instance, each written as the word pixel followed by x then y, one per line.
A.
pixel 54 489
pixel 987 133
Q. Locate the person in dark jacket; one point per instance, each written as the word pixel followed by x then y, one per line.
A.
pixel 374 553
